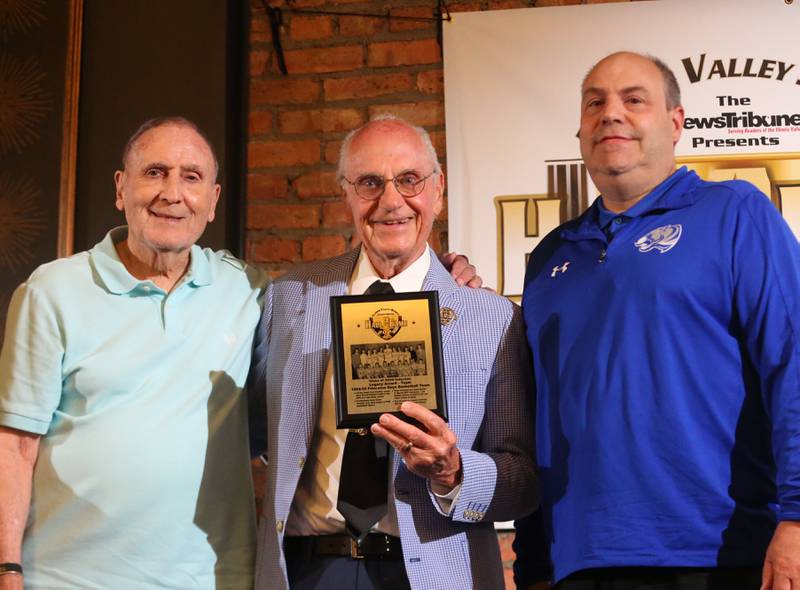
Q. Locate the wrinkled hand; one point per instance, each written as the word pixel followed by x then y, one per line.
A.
pixel 782 562
pixel 461 270
pixel 432 454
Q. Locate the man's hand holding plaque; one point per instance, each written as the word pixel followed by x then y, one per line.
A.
pixel 429 453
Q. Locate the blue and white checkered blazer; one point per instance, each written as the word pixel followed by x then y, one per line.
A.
pixel 489 391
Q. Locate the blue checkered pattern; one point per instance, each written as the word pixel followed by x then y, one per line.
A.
pixel 490 410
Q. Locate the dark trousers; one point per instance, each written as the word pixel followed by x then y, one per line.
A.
pixel 308 571
pixel 663 578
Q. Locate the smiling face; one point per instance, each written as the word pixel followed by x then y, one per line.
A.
pixel 393 229
pixel 627 133
pixel 167 190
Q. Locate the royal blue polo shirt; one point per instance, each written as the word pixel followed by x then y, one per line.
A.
pixel 665 349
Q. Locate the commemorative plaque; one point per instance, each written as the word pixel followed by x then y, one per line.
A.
pixel 386 349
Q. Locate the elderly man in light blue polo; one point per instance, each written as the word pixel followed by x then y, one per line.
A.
pixel 123 447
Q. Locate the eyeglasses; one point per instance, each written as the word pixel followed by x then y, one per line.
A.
pixel 371 187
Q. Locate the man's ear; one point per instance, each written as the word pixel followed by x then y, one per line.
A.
pixel 119 178
pixel 439 203
pixel 677 115
pixel 213 213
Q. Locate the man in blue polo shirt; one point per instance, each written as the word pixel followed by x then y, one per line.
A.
pixel 665 328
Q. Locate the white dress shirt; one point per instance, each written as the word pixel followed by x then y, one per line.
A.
pixel 314 506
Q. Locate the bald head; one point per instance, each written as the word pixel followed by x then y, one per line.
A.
pixel 157 122
pixel 672 91
pixel 385 124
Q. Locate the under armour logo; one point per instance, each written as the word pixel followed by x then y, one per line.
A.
pixel 558 269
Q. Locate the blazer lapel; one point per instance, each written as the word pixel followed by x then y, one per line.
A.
pixel 439 279
pixel 317 333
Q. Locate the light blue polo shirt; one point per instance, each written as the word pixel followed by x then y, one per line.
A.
pixel 143 476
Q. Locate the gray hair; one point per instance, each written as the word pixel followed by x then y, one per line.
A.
pixel 672 90
pixel 177 121
pixel 344 151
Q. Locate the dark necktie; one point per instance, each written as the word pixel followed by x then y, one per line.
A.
pixel 364 479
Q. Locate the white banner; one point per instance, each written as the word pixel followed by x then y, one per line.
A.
pixel 512 100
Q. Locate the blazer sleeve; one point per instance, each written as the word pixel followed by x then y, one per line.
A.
pixel 499 473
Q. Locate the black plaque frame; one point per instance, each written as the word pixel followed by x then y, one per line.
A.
pixel 347 417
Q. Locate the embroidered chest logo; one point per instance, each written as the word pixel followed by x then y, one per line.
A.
pixel 386 323
pixel 661 238
pixel 557 269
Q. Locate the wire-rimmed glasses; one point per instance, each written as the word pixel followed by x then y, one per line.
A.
pixel 370 186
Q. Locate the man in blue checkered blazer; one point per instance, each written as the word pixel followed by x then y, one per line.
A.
pixel 448 482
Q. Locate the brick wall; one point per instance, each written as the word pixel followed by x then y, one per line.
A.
pixel 342 71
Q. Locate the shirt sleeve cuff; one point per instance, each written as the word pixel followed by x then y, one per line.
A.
pixel 19 422
pixel 448 500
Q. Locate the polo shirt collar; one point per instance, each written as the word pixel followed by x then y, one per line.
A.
pixel 118 280
pixel 200 272
pixel 674 192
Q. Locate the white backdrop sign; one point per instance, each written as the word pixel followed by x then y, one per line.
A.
pixel 512 97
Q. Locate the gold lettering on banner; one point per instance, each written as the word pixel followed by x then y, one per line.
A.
pixel 523 220
pixel 775 175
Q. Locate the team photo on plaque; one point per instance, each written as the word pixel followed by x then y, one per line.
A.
pixel 372 361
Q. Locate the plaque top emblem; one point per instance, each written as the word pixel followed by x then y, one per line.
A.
pixel 386 323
